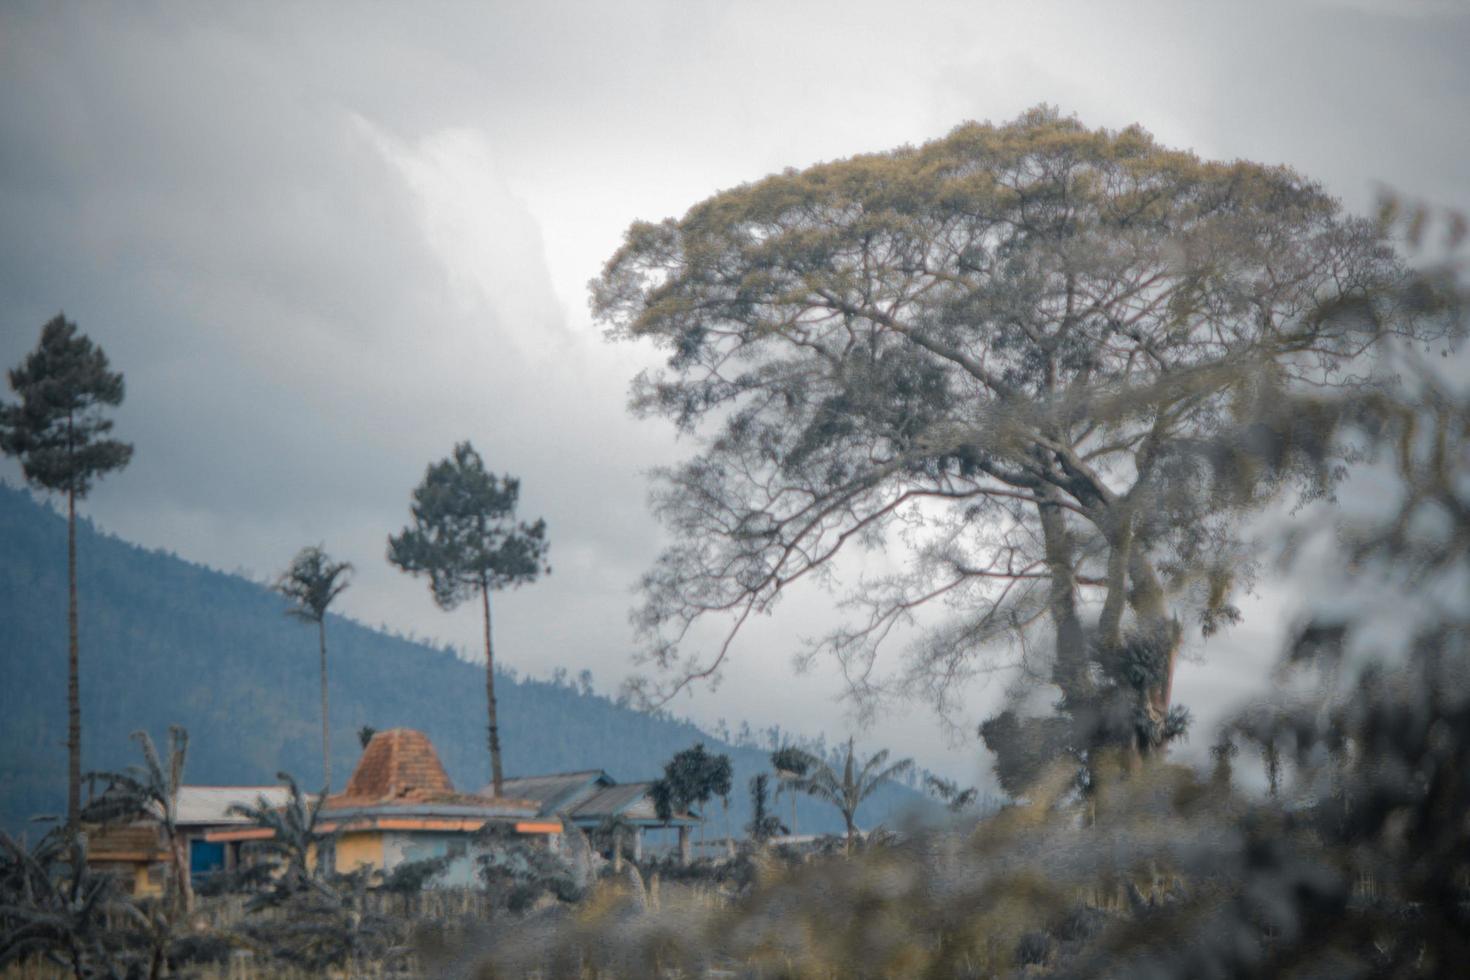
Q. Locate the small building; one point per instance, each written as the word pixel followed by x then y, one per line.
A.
pixel 138 852
pixel 400 806
pixel 134 852
pixel 590 799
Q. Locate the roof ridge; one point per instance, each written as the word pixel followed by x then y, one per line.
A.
pixel 569 772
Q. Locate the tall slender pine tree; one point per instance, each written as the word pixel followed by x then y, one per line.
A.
pixel 59 433
pixel 466 538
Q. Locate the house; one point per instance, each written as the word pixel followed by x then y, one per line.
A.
pixel 138 852
pixel 400 806
pixel 134 852
pixel 590 799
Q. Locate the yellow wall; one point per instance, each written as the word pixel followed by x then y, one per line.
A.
pixel 356 850
pixel 143 885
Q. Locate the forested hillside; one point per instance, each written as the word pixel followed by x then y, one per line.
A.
pixel 167 641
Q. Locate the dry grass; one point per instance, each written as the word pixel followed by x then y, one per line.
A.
pixel 448 909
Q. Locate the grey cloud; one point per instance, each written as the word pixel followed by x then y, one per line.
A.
pixel 225 199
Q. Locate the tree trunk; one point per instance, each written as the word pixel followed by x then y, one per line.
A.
pixel 1120 548
pixel 683 844
pixel 326 728
pixel 497 778
pixel 1070 671
pixel 182 877
pixel 73 674
pixel 1148 602
pixel 617 848
pixel 851 831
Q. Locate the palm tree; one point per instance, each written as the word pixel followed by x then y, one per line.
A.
pixel 152 789
pixel 791 764
pixel 311 582
pixel 55 906
pixel 294 838
pixel 949 792
pixel 856 783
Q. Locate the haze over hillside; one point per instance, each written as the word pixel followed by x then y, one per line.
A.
pixel 166 641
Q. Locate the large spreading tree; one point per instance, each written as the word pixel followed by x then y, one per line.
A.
pixel 465 537
pixel 59 432
pixel 997 356
pixel 310 583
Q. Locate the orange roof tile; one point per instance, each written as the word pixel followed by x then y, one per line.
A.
pixel 399 767
pixel 397 764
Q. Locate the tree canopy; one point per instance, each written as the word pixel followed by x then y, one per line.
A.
pixel 692 777
pixel 857 781
pixel 997 355
pixel 464 535
pixel 58 430
pixel 311 582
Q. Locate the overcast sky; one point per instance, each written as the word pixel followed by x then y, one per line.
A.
pixel 324 243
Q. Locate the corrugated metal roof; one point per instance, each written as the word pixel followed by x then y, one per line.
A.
pixel 557 791
pixel 612 800
pixel 627 800
pixel 210 805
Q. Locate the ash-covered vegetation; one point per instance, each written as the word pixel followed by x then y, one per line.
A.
pixel 1085 390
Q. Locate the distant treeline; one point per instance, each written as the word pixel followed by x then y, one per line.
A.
pixel 167 641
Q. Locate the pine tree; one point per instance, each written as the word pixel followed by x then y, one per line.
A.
pixel 466 539
pixel 59 434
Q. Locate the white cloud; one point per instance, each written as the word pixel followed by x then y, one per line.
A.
pixel 484 235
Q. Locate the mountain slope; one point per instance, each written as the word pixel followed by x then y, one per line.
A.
pixel 166 641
